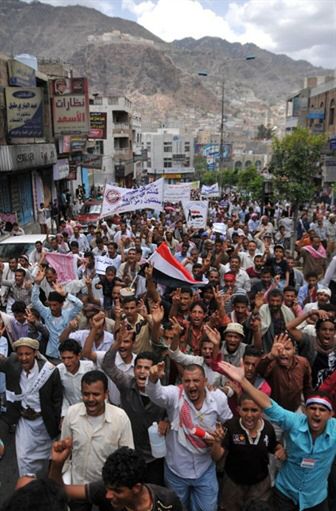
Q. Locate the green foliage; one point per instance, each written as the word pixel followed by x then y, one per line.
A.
pixel 250 183
pixel 208 178
pixel 294 165
pixel 200 164
pixel 227 177
pixel 264 133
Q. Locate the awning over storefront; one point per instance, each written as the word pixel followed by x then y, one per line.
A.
pixel 26 156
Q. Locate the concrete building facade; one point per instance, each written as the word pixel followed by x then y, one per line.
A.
pixel 27 148
pixel 117 148
pixel 170 153
pixel 314 107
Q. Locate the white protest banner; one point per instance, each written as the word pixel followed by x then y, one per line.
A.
pixel 195 185
pixel 210 191
pixel 196 213
pixel 219 228
pixel 120 200
pixel 101 263
pixel 176 193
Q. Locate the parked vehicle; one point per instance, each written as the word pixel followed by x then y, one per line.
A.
pixel 89 212
pixel 14 246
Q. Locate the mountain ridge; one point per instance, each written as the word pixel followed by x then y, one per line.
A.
pixel 121 57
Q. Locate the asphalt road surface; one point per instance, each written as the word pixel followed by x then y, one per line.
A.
pixel 8 470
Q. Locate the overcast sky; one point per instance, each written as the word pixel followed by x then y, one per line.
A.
pixel 302 29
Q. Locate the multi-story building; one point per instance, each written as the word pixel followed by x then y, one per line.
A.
pixel 314 108
pixel 251 154
pixel 296 109
pixel 321 116
pixel 170 154
pixel 116 148
pixel 27 149
pixel 139 154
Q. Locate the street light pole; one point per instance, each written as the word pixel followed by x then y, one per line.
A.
pixel 221 143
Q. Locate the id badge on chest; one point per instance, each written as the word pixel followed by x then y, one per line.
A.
pixel 308 463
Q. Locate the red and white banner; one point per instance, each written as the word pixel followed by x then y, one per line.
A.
pixel 171 270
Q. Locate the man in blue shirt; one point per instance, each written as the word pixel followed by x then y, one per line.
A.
pixel 301 483
pixel 55 317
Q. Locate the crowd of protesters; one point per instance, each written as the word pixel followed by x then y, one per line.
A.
pixel 236 365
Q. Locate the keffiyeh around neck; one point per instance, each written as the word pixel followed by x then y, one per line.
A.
pixel 320 349
pixel 316 254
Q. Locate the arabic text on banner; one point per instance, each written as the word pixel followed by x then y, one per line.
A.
pixel 121 200
pixel 210 191
pixel 101 263
pixel 177 193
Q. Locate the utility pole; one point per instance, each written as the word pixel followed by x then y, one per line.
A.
pixel 221 144
pixel 205 73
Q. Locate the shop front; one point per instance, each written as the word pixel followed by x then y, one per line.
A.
pixel 25 179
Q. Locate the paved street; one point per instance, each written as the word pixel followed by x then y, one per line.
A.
pixel 8 470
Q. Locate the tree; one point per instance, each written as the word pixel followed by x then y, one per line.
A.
pixel 294 166
pixel 264 133
pixel 227 177
pixel 209 178
pixel 201 165
pixel 251 182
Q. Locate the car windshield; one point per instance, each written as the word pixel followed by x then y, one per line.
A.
pixel 90 209
pixel 8 250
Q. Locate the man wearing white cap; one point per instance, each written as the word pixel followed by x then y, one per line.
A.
pixel 233 347
pixel 323 295
pixel 34 401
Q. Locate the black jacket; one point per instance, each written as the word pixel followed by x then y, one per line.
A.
pixel 141 411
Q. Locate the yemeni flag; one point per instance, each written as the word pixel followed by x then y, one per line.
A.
pixel 169 272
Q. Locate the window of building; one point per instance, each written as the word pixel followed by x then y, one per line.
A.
pixel 178 157
pixel 99 147
pixel 332 112
pixel 167 163
pixel 167 147
pixel 186 146
pixel 149 162
pixel 121 143
pixel 148 145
